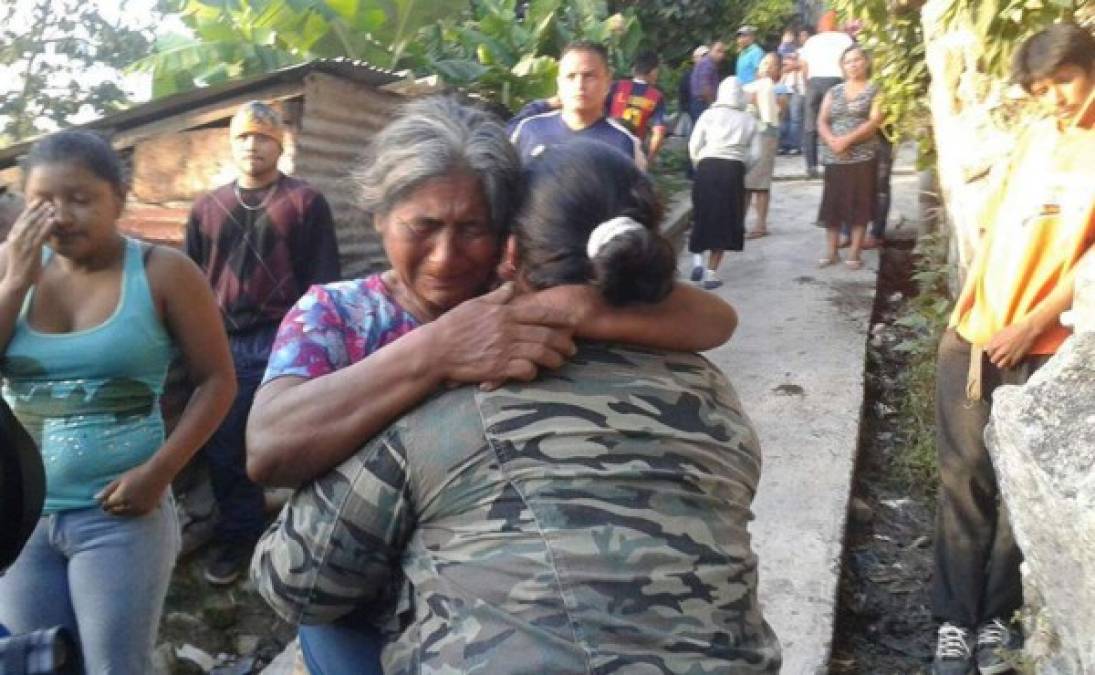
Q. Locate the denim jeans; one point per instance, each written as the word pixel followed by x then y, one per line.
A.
pixel 102 577
pixel 239 500
pixel 349 646
pixel 790 126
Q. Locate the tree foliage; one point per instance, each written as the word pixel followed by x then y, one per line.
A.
pixel 894 37
pixel 238 38
pixel 892 32
pixel 511 60
pixel 50 50
pixel 681 25
pixel 1002 25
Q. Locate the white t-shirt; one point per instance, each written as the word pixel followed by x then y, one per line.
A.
pixel 822 52
pixel 764 100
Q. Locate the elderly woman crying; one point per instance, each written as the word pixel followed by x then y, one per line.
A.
pixel 594 520
pixel 442 184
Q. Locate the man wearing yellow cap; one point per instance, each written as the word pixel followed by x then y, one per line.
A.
pixel 261 240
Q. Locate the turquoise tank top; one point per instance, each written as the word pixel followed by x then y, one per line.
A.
pixel 91 398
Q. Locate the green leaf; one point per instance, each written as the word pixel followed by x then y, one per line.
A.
pixel 460 71
pixel 536 66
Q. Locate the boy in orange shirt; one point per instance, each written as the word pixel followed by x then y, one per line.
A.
pixel 1004 327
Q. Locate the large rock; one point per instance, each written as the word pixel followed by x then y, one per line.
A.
pixel 1042 440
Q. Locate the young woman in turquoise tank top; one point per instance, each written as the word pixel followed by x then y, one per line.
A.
pixel 89 320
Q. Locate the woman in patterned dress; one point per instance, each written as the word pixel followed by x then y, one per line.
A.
pixel 849 117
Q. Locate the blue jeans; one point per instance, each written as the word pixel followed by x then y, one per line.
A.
pixel 790 127
pixel 239 500
pixel 349 646
pixel 102 577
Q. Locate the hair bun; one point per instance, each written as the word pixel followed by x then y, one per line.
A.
pixel 636 265
pixel 607 231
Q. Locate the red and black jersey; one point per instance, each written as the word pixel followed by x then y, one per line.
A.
pixel 637 104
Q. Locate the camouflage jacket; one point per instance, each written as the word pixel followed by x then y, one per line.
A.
pixel 591 522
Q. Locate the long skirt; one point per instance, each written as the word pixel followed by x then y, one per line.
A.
pixel 848 198
pixel 717 199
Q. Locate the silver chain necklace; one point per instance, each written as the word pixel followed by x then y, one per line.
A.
pixel 265 200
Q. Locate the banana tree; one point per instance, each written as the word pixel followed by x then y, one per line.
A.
pixel 236 38
pixel 510 59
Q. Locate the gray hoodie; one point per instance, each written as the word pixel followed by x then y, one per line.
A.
pixel 725 130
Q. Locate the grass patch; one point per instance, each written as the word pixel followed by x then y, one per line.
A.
pixel 921 323
pixel 668 171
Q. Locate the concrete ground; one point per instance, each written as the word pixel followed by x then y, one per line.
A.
pixel 797 362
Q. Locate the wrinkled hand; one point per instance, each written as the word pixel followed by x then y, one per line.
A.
pixel 1008 347
pixel 24 245
pixel 490 340
pixel 134 493
pixel 576 302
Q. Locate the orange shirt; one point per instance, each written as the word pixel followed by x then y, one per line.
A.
pixel 1041 223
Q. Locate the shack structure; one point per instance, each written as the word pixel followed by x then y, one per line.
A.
pixel 177 147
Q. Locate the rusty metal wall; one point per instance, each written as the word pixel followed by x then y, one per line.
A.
pixel 339 119
pixel 329 124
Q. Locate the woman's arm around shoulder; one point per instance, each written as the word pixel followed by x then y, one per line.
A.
pixel 301 426
pixel 688 319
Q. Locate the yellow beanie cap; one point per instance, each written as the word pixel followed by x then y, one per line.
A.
pixel 256 117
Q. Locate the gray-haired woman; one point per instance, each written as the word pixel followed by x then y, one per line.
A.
pixel 442 184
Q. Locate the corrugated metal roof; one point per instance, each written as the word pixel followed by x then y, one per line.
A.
pixel 356 71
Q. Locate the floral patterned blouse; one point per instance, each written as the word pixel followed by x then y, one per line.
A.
pixel 336 325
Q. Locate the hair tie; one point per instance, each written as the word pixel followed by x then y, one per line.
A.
pixel 608 230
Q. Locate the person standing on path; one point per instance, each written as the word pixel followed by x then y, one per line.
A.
pixel 704 82
pixel 819 59
pixel 876 236
pixel 749 55
pixel 790 132
pixel 724 145
pixel 262 241
pixel 577 110
pixel 758 182
pixel 1005 325
pixel 848 124
pixel 639 104
pixel 787 44
pixel 684 93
